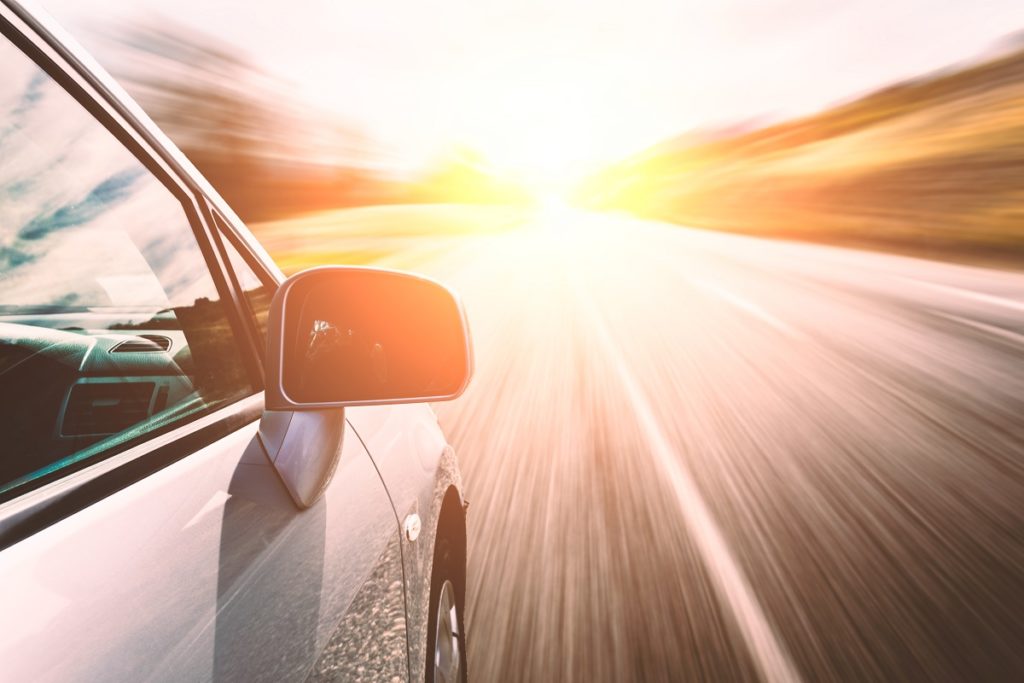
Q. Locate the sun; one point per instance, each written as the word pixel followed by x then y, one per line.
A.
pixel 546 125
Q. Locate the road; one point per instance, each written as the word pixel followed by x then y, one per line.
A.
pixel 697 456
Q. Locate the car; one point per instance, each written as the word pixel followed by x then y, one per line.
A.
pixel 208 471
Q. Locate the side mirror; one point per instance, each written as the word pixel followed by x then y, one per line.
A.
pixel 345 336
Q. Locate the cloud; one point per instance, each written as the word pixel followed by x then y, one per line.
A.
pixel 100 199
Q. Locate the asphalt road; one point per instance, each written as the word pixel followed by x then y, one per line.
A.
pixel 695 456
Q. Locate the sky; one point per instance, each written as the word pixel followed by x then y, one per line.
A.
pixel 554 88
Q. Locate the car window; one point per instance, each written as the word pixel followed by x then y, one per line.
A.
pixel 258 291
pixel 111 326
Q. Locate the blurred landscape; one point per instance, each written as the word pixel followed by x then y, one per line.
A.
pixel 269 152
pixel 933 166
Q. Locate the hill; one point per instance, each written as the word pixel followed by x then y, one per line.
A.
pixel 934 165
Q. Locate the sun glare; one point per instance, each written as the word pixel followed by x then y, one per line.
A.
pixel 547 125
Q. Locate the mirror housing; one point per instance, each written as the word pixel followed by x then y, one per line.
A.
pixel 348 336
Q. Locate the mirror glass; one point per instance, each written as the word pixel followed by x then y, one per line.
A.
pixel 360 335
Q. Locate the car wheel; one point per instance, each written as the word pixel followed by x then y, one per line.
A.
pixel 446 640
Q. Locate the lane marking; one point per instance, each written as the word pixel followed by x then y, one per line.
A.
pixel 731 585
pixel 744 305
pixel 992 299
pixel 1008 335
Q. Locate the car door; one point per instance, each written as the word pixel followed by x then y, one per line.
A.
pixel 144 534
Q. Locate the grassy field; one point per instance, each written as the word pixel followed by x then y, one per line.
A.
pixel 932 166
pixel 395 236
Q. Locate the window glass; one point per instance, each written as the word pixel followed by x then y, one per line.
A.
pixel 258 293
pixel 110 324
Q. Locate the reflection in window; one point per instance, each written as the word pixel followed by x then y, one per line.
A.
pixel 110 324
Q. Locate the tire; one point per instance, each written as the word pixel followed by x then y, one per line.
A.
pixel 446 623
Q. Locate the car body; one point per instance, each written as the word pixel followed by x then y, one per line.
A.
pixel 157 520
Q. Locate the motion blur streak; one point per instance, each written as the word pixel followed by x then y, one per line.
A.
pixel 861 463
pixel 732 586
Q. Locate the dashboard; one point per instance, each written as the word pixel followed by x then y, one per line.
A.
pixel 86 380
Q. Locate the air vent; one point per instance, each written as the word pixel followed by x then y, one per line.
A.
pixel 106 407
pixel 143 343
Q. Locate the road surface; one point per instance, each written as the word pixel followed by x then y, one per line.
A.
pixel 697 456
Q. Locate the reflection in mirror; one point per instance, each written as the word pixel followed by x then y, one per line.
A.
pixel 357 335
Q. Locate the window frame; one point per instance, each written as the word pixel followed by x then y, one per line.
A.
pixel 28 509
pixel 226 235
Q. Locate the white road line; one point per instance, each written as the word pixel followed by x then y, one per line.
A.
pixel 984 327
pixel 744 305
pixel 992 299
pixel 729 582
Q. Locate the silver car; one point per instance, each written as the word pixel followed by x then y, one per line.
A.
pixel 207 471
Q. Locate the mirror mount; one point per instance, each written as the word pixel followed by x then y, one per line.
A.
pixel 304 448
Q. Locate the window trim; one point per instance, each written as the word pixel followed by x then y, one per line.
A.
pixel 239 314
pixel 244 250
pixel 160 447
pixel 223 233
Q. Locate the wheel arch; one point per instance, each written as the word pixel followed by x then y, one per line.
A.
pixel 448 567
pixel 451 525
